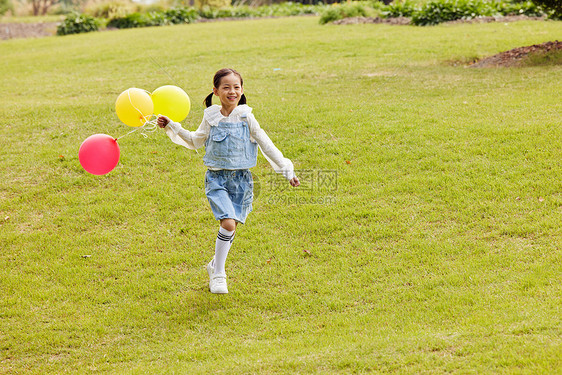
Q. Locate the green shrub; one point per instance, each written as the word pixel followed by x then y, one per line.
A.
pixel 552 7
pixel 274 10
pixel 527 8
pixel 290 9
pixel 76 23
pixel 398 9
pixel 5 6
pixel 136 19
pixel 338 12
pixel 230 12
pixel 437 11
pixel 378 4
pixel 156 19
pixel 181 15
pixel 129 21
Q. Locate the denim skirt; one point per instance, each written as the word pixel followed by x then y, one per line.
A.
pixel 230 193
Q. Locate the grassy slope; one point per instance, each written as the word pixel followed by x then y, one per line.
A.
pixel 440 253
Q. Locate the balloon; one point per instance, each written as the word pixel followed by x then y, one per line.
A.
pixel 134 107
pixel 171 101
pixel 99 154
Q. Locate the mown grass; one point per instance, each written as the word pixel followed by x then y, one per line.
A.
pixel 439 250
pixel 31 19
pixel 553 57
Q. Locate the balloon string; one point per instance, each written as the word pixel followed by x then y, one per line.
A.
pixel 138 110
pixel 118 138
pixel 148 127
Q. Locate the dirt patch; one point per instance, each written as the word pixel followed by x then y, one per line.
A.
pixel 498 19
pixel 27 30
pixel 357 20
pixel 514 57
pixel 407 21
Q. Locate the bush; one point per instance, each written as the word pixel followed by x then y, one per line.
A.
pixel 136 19
pixel 437 11
pixel 188 15
pixel 5 6
pixel 338 12
pixel 156 19
pixel 290 9
pixel 181 15
pixel 552 7
pixel 274 10
pixel 527 8
pixel 398 9
pixel 129 21
pixel 76 23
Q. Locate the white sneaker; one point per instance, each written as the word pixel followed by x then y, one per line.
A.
pixel 217 283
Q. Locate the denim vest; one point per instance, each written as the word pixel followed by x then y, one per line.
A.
pixel 229 147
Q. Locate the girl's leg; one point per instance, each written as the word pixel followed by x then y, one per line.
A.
pixel 223 243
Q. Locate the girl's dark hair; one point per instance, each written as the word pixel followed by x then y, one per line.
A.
pixel 217 81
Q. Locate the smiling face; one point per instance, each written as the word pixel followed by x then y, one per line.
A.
pixel 229 91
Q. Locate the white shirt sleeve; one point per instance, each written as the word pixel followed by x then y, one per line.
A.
pixel 278 162
pixel 185 138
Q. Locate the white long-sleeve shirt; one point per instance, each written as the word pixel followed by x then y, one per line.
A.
pixel 212 117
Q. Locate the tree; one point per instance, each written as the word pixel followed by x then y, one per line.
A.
pixel 41 7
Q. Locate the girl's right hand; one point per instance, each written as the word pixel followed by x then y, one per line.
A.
pixel 163 121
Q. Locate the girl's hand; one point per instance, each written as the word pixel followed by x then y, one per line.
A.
pixel 294 182
pixel 163 121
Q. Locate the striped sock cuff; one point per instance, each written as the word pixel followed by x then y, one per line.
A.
pixel 224 237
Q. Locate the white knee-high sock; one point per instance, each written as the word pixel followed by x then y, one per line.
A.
pixel 222 246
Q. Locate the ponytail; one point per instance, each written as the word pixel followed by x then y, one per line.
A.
pixel 209 100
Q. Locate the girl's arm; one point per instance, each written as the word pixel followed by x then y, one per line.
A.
pixel 278 162
pixel 182 137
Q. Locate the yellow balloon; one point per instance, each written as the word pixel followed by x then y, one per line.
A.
pixel 134 107
pixel 171 101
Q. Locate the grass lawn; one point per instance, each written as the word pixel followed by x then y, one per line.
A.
pixel 425 239
pixel 31 19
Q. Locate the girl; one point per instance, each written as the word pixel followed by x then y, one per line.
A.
pixel 231 135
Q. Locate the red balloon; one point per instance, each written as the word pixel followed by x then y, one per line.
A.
pixel 99 154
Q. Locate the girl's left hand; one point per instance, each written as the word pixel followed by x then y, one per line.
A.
pixel 294 182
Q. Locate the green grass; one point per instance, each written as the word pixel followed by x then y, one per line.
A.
pixel 31 19
pixel 553 57
pixel 439 251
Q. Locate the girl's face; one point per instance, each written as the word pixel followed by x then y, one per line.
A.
pixel 229 91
